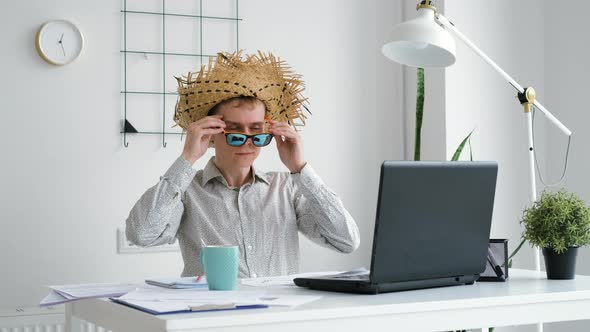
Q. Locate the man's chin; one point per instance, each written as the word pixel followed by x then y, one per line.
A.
pixel 245 159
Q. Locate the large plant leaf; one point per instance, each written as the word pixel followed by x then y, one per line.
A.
pixel 457 153
pixel 419 112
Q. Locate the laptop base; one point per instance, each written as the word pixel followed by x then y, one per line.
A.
pixel 366 287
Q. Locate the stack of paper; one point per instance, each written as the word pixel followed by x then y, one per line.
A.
pixel 184 294
pixel 66 293
pixel 186 282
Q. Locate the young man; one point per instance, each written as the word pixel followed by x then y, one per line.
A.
pixel 238 107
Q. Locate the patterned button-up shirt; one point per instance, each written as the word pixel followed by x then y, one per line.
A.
pixel 262 217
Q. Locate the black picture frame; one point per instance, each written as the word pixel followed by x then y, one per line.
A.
pixel 496 261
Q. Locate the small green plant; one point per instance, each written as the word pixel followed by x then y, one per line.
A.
pixel 558 221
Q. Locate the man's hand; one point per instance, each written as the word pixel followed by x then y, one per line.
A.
pixel 289 145
pixel 199 135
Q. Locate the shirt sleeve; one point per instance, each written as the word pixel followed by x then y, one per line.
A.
pixel 321 216
pixel 155 218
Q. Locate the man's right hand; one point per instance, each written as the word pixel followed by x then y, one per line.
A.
pixel 199 135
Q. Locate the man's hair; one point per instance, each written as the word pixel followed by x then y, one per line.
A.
pixel 237 101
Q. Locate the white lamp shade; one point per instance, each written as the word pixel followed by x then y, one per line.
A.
pixel 421 42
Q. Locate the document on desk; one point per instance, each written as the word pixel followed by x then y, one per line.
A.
pixel 93 290
pixel 178 283
pixel 53 298
pixel 66 293
pixel 195 295
pixel 167 301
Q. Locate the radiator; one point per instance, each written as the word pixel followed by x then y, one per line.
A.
pixel 47 319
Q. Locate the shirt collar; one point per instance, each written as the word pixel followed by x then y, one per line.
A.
pixel 211 172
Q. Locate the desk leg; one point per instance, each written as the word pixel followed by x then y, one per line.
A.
pixel 68 321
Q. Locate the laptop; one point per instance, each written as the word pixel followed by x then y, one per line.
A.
pixel 432 228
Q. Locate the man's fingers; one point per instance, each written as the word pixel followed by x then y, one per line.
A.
pixel 287 132
pixel 283 127
pixel 211 131
pixel 212 122
pixel 208 119
pixel 279 141
pixel 275 124
pixel 206 123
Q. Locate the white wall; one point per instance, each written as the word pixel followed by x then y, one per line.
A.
pixel 566 83
pixel 478 98
pixel 68 184
pixel 566 77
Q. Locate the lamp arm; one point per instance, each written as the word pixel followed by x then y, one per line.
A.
pixel 443 21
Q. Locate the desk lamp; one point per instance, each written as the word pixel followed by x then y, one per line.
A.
pixel 425 42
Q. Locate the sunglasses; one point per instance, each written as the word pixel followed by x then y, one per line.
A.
pixel 239 139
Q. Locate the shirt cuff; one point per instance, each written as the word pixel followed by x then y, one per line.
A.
pixel 181 174
pixel 308 178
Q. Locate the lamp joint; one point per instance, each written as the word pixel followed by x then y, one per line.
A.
pixel 527 98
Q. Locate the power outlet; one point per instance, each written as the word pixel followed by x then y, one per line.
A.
pixel 124 246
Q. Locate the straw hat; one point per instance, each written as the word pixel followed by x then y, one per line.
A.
pixel 260 75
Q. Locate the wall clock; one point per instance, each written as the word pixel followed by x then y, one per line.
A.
pixel 59 42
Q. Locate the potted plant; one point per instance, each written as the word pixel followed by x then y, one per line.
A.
pixel 558 223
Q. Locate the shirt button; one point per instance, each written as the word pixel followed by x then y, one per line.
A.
pixel 249 247
pixel 254 275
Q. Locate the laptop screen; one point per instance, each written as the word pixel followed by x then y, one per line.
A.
pixel 433 219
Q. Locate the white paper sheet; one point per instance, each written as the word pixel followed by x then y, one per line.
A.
pixel 53 298
pixel 192 295
pixel 178 283
pixel 93 290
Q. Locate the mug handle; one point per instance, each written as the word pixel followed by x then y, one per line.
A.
pixel 202 259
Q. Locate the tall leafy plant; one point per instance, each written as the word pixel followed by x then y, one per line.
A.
pixel 420 116
pixel 419 112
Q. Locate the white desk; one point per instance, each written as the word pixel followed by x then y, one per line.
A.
pixel 527 298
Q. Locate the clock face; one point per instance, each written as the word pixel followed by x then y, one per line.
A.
pixel 59 42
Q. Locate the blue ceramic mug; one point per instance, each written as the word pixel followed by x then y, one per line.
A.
pixel 220 264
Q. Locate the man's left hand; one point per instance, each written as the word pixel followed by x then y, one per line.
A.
pixel 289 144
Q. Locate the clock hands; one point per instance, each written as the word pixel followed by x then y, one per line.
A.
pixel 62 44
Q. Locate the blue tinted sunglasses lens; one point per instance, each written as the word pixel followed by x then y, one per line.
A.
pixel 261 139
pixel 236 139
